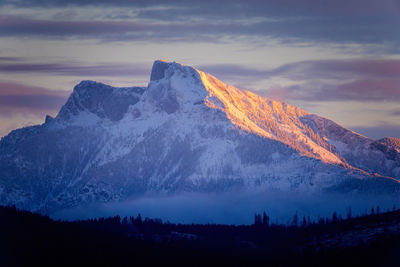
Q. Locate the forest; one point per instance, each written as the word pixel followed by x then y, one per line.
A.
pixel 31 239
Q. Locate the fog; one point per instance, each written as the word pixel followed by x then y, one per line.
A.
pixel 233 207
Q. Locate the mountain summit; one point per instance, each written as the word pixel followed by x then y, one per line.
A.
pixel 185 131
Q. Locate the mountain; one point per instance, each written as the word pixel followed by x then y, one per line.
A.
pixel 185 132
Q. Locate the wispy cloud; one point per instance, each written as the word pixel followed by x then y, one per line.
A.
pixel 323 80
pixel 364 22
pixel 20 98
pixel 23 105
pixel 19 26
pixel 338 69
pixel 229 7
pixel 77 68
pixel 11 59
pixel 359 90
pixel 395 113
pixel 379 131
pixel 232 71
pixel 339 80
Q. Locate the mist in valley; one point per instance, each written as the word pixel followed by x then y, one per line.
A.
pixel 234 207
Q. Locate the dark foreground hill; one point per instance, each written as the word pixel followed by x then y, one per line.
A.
pixel 28 239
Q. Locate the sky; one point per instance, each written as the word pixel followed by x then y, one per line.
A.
pixel 338 59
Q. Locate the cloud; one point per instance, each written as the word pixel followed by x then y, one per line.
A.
pixel 229 7
pixel 339 80
pixel 11 59
pixel 364 22
pixel 233 72
pixel 23 105
pixel 76 68
pixel 323 80
pixel 317 69
pixel 395 113
pixel 379 131
pixel 9 122
pixel 19 26
pixel 338 69
pixel 12 25
pixel 31 102
pixel 25 99
pixel 358 90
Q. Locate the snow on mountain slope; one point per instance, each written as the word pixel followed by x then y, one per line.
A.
pixel 268 118
pixel 380 156
pixel 187 131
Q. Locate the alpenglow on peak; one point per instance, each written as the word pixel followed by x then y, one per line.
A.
pixel 186 131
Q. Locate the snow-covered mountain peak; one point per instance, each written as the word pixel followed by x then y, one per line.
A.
pixel 174 87
pixel 164 70
pixel 158 69
pixel 185 131
pixel 100 99
pixel 179 89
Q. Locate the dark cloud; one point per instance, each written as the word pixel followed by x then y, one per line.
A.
pixel 20 98
pixel 395 113
pixel 11 59
pixel 364 22
pixel 358 90
pixel 339 80
pixel 22 26
pixel 230 7
pixel 76 68
pixel 106 30
pixel 338 69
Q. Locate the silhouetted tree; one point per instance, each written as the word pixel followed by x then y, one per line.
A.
pixel 349 215
pixel 304 224
pixel 321 220
pixel 295 221
pixel 334 217
pixel 257 219
pixel 139 221
pixel 265 219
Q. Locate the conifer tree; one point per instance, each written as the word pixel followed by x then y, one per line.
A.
pixel 295 219
pixel 265 220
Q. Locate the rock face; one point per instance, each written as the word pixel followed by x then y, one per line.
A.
pixel 187 131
